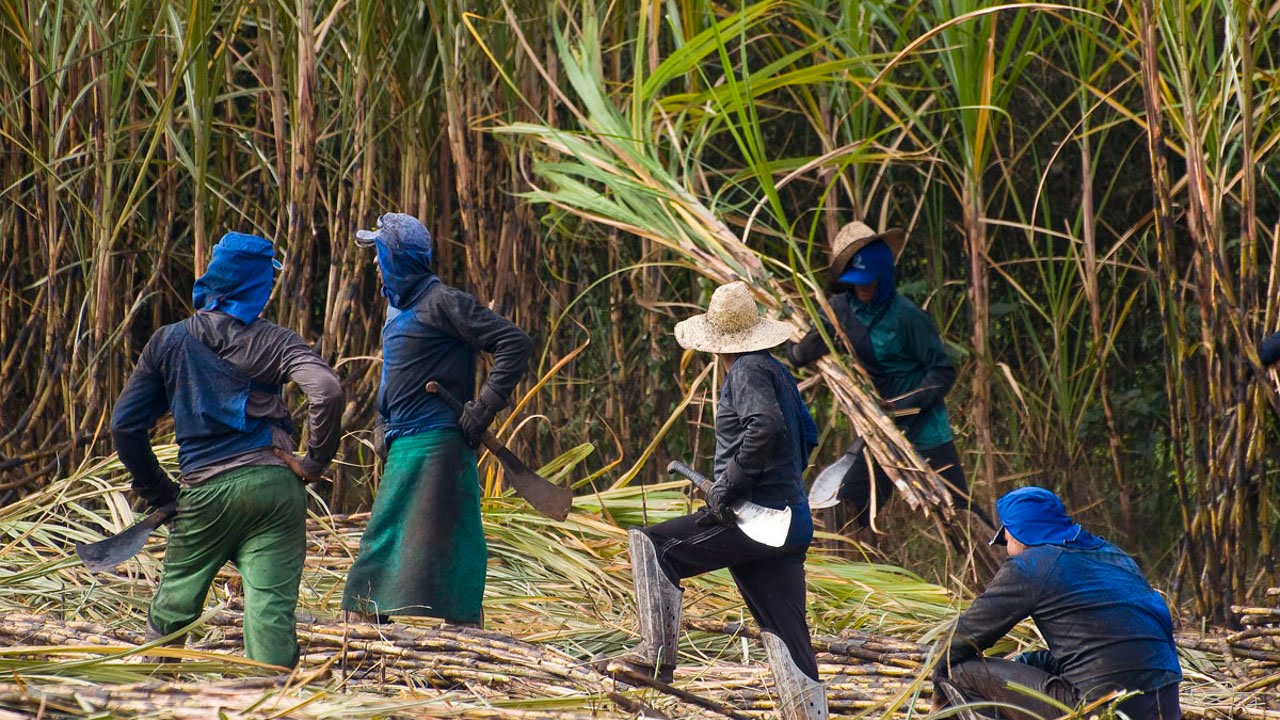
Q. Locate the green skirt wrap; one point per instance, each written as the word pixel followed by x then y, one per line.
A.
pixel 424 551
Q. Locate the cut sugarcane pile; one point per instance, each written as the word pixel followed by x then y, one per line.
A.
pixel 557 593
pixel 411 670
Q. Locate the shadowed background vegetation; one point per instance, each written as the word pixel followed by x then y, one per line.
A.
pixel 1089 188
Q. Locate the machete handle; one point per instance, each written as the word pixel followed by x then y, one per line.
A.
pixel 488 439
pixel 675 467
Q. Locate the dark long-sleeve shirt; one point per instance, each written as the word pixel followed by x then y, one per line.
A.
pixel 437 339
pixel 1104 624
pixel 764 428
pixel 268 355
pixel 898 345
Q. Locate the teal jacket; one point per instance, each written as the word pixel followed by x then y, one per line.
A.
pixel 898 345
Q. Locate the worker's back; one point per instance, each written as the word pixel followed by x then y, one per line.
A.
pixel 1101 618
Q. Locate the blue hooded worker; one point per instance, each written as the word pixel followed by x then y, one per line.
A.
pixel 240 495
pixel 898 346
pixel 1106 628
pixel 424 551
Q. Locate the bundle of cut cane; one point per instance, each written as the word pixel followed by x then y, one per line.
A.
pixel 611 172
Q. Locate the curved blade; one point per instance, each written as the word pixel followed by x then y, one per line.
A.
pixel 546 497
pixel 825 491
pixel 108 553
pixel 765 525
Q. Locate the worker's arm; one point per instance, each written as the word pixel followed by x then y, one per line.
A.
pixel 142 402
pixel 304 366
pixel 1009 598
pixel 920 340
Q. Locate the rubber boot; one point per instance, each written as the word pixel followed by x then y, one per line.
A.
pixel 658 607
pixel 800 697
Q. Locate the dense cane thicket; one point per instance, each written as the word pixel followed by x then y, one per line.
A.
pixel 1090 191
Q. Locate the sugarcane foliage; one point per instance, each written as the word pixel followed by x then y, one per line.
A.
pixel 1088 189
pixel 610 171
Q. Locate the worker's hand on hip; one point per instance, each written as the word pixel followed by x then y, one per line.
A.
pixel 303 467
pixel 475 420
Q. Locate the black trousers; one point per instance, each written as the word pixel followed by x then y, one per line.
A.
pixel 771 580
pixel 855 489
pixel 988 679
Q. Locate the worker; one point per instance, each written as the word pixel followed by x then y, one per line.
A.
pixel 764 435
pixel 1107 630
pixel 240 495
pixel 424 551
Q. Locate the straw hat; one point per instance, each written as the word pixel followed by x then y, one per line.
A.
pixel 855 236
pixel 732 324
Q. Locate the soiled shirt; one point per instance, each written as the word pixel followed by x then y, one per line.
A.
pixel 763 426
pixel 1104 624
pixel 268 355
pixel 437 338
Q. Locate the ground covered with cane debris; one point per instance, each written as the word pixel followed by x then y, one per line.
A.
pixel 74 643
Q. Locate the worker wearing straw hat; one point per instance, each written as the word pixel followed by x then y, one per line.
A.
pixel 424 551
pixel 220 372
pixel 764 435
pixel 1106 628
pixel 900 349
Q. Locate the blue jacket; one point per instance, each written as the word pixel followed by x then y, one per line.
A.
pixel 436 338
pixel 1104 624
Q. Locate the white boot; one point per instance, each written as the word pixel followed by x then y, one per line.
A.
pixel 800 697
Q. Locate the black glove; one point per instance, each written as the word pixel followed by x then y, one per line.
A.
pixel 478 415
pixel 1269 349
pixel 731 486
pixel 810 348
pixel 380 438
pixel 157 496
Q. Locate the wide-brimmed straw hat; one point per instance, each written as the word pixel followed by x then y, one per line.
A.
pixel 732 324
pixel 855 236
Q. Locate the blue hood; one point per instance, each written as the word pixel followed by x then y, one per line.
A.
pixel 404 257
pixel 1035 516
pixel 871 263
pixel 239 278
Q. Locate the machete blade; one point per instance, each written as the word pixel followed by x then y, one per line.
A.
pixel 108 553
pixel 551 500
pixel 546 497
pixel 826 489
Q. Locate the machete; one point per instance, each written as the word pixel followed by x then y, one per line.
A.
pixel 108 553
pixel 546 497
pixel 826 489
pixel 765 525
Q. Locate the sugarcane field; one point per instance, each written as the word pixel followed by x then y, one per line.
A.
pixel 574 359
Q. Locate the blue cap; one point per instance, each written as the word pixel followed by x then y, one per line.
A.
pixel 869 264
pixel 1035 516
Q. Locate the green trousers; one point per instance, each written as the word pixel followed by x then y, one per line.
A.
pixel 255 517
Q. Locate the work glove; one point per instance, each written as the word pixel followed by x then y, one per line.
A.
pixel 304 467
pixel 478 415
pixel 157 496
pixel 810 348
pixel 1269 349
pixel 380 438
pixel 731 486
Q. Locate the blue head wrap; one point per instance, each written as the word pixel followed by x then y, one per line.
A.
pixel 871 263
pixel 1035 516
pixel 404 257
pixel 239 277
